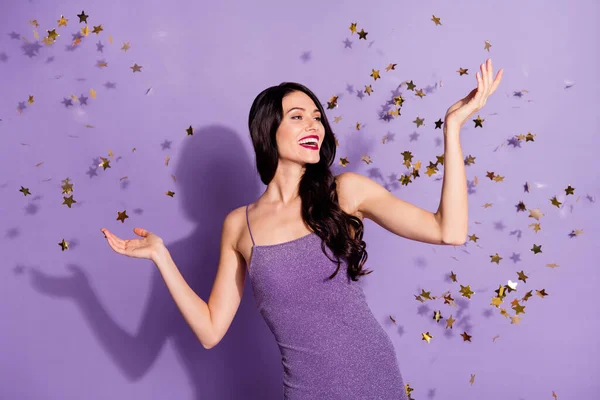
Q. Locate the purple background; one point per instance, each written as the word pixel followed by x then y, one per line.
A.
pixel 88 323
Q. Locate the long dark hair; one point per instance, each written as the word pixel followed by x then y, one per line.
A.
pixel 341 232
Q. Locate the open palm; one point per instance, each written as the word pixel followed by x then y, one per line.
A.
pixel 146 247
pixel 465 108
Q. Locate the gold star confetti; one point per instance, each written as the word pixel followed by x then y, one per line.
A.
pixel 449 322
pixel 136 68
pixel 496 301
pixel 554 201
pixel 478 122
pixel 125 46
pixel 436 20
pixel 62 21
pixel 390 67
pixel 170 193
pixel 487 45
pixel 67 188
pixel 122 216
pixel 466 337
pixel 408 389
pixel 190 131
pixel 519 309
pixel 425 295
pixel 52 34
pixel 85 31
pixel 535 213
pixel 542 293
pixel 449 300
pixel 353 28
pixel 332 103
pixel 527 296
pixel 522 276
pixel 466 291
pixel 69 201
pixel 105 163
pixel 362 34
pixel 82 17
pixel 472 380
pixel 375 74
pixel 64 245
pixel 427 337
pixel 25 191
pixel 97 29
pixel 419 121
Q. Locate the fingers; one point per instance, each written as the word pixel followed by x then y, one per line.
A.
pixel 479 93
pixel 497 81
pixel 113 244
pixel 484 77
pixel 488 74
pixel 116 243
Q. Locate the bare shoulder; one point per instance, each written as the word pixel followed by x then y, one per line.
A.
pixel 349 192
pixel 237 221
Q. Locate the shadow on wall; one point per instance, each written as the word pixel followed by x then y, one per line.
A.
pixel 214 176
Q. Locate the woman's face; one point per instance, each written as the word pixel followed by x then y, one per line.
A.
pixel 301 118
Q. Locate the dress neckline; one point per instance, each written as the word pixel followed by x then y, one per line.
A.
pixel 271 246
pixel 284 243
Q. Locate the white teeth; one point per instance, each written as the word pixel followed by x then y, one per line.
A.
pixel 306 141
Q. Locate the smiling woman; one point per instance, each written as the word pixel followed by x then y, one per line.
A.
pixel 303 282
pixel 280 117
pixel 303 240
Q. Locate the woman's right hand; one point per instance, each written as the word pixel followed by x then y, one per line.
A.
pixel 147 247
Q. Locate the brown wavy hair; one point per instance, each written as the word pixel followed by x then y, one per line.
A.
pixel 340 231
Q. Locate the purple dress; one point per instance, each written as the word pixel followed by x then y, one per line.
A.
pixel 331 345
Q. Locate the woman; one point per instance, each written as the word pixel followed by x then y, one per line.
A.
pixel 301 244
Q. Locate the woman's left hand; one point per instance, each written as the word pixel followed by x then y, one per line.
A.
pixel 462 110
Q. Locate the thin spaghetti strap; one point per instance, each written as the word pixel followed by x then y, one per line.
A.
pixel 248 222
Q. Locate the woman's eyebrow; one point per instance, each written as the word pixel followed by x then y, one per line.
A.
pixel 300 108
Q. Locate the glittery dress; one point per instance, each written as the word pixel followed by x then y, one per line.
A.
pixel 331 345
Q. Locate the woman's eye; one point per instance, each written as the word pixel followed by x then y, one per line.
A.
pixel 300 116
